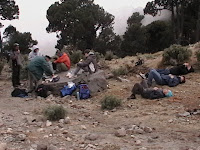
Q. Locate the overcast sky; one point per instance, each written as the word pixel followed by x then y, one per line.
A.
pixel 33 18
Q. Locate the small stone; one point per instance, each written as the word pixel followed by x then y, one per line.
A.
pixel 40 130
pixel 133 136
pixel 185 114
pixel 3 146
pixel 61 121
pixel 9 130
pixel 138 142
pixel 52 147
pixel 138 131
pixel 67 120
pixel 26 113
pixel 83 127
pixel 48 123
pixel 147 129
pixel 121 132
pixel 170 121
pixel 91 137
pixel 41 147
pixel 106 113
pixel 143 148
pixel 69 139
pixel 21 137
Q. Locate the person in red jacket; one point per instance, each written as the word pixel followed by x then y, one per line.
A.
pixel 62 63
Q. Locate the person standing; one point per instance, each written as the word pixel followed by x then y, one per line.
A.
pixel 35 52
pixel 16 65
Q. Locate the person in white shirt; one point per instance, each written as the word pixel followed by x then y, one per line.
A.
pixel 35 52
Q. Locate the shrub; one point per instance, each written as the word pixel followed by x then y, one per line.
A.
pixel 198 55
pixel 55 112
pixel 110 102
pixel 76 56
pixel 1 66
pixel 109 55
pixel 176 53
pixel 120 71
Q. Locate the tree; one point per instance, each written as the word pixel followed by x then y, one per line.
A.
pixel 76 22
pixel 8 11
pixel 134 37
pixel 23 39
pixel 108 41
pixel 159 36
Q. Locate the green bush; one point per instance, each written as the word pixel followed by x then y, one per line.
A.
pixel 110 102
pixel 176 53
pixel 109 55
pixel 198 55
pixel 76 56
pixel 2 63
pixel 55 112
pixel 120 71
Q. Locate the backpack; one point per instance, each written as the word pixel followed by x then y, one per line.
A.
pixel 42 90
pixel 84 91
pixel 67 90
pixel 19 93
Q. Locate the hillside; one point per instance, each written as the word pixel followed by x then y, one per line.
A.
pixel 139 124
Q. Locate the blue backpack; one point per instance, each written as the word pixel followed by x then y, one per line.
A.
pixel 67 90
pixel 84 91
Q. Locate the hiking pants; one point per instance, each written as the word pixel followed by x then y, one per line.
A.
pixel 153 74
pixel 163 71
pixel 33 82
pixel 86 69
pixel 138 88
pixel 15 75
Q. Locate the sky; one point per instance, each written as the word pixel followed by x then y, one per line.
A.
pixel 32 19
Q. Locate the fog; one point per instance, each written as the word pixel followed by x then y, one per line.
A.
pixel 33 19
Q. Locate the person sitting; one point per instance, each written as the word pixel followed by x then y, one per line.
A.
pixel 149 93
pixel 62 63
pixel 161 79
pixel 88 65
pixel 35 52
pixel 177 70
pixel 36 68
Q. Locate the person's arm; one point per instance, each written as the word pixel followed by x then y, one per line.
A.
pixel 13 56
pixel 173 82
pixel 155 94
pixel 85 63
pixel 59 60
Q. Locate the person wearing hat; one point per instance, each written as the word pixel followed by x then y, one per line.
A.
pixel 36 68
pixel 16 65
pixel 35 52
pixel 149 93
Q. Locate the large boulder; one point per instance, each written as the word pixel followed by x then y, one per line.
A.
pixel 96 82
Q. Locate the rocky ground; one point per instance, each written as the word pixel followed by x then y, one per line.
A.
pixel 167 124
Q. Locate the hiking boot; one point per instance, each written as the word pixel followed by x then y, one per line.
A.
pixel 131 97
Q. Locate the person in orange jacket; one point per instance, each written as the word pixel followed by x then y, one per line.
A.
pixel 62 63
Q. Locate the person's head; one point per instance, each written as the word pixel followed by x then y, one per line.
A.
pixel 15 47
pixel 59 53
pixel 35 49
pixel 86 52
pixel 182 79
pixel 167 93
pixel 48 58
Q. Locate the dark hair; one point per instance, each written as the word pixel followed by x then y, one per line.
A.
pixel 86 51
pixel 183 81
pixel 48 57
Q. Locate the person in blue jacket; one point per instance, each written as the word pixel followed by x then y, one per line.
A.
pixel 161 79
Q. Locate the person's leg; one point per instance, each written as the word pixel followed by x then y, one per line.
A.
pixel 14 75
pixel 54 66
pixel 77 70
pixel 144 84
pixel 137 89
pixel 163 71
pixel 153 74
pixel 62 67
pixel 18 75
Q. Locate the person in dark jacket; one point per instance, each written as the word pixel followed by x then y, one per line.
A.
pixel 88 65
pixel 177 70
pixel 16 65
pixel 161 79
pixel 149 93
pixel 36 68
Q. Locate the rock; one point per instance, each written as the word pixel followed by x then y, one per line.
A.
pixel 21 137
pixel 52 147
pixel 3 146
pixel 143 148
pixel 91 137
pixel 170 121
pixel 61 121
pixel 121 132
pixel 69 139
pixel 138 131
pixel 83 127
pixel 185 114
pixel 48 123
pixel 138 142
pixel 26 113
pixel 41 147
pixel 67 120
pixel 147 129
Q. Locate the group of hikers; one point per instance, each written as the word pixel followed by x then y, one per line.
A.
pixel 171 77
pixel 39 66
